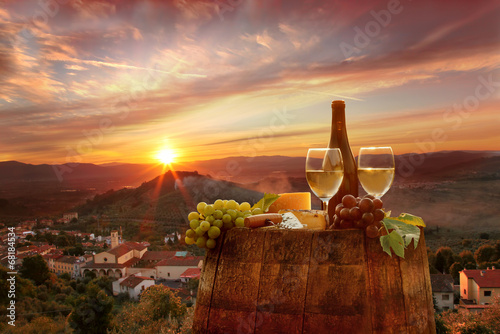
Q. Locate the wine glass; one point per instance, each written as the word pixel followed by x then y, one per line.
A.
pixel 376 169
pixel 324 172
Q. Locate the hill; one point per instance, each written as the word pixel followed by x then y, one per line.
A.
pixel 167 198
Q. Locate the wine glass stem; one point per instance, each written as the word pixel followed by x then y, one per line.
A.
pixel 324 205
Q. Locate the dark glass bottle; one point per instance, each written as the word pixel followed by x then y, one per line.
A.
pixel 338 139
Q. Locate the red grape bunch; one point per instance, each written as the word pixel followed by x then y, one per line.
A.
pixel 362 213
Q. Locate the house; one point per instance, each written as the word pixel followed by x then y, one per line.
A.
pixel 189 274
pixel 115 261
pixel 442 290
pixel 70 215
pixel 478 287
pixel 68 264
pixel 134 285
pixel 173 267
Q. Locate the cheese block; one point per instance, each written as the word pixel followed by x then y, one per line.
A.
pixel 290 221
pixel 292 201
pixel 312 219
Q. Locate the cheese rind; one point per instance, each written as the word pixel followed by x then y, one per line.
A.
pixel 292 201
pixel 312 219
pixel 290 221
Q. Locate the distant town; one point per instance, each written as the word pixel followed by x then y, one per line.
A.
pixel 132 267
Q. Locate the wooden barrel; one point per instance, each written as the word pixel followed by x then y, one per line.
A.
pixel 305 281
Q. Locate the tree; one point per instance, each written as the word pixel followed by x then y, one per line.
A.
pixel 484 236
pixel 486 253
pixel 158 308
pixel 61 241
pixel 455 270
pixel 467 257
pixel 91 311
pixel 35 268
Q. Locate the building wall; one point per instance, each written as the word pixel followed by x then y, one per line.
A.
pixel 146 272
pixel 172 272
pixel 442 302
pixel 125 257
pixel 487 299
pixel 134 293
pixel 99 258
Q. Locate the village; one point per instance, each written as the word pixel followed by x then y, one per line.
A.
pixel 129 264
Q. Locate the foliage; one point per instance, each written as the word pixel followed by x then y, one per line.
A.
pixel 35 268
pixel 92 311
pixel 486 253
pixel 455 270
pixel 40 325
pixel 486 322
pixel 401 231
pixel 159 310
pixel 193 284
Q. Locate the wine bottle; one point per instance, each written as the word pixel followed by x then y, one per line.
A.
pixel 338 139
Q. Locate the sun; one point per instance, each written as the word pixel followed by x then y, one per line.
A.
pixel 166 156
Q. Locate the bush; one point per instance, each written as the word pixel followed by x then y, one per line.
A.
pixel 484 236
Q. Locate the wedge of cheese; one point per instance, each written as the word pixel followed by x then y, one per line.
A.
pixel 311 219
pixel 292 201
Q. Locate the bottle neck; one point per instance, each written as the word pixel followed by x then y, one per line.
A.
pixel 338 132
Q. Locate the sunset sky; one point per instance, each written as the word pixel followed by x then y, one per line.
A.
pixel 106 81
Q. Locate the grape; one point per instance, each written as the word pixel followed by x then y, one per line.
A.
pixel 208 210
pixel 239 222
pixel 190 233
pixel 199 231
pixel 378 224
pixel 201 242
pixel 211 243
pixel 201 207
pixel 245 206
pixel 366 205
pixel 367 218
pixel 188 240
pixel 370 196
pixel 218 214
pixel 377 203
pixel 227 219
pixel 360 224
pixel 344 224
pixel 210 219
pixel 218 223
pixel 247 215
pixel 213 232
pixel 344 213
pixel 349 201
pixel 193 215
pixel 339 207
pixel 232 204
pixel 336 222
pixel 232 213
pixel 194 224
pixel 371 231
pixel 204 226
pixel 355 213
pixel 257 211
pixel 228 225
pixel 378 214
pixel 218 204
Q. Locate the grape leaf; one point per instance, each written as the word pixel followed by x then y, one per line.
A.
pixel 266 201
pixel 410 219
pixel 407 232
pixel 395 241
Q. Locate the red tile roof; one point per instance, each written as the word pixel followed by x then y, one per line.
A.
pixel 92 265
pixel 158 255
pixel 191 273
pixel 132 281
pixel 125 248
pixel 490 278
pixel 441 283
pixel 190 261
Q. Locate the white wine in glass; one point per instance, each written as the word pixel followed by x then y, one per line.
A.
pixel 324 172
pixel 376 169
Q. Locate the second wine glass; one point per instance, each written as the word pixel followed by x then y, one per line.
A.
pixel 324 172
pixel 376 169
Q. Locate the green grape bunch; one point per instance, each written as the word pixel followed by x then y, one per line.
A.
pixel 210 220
